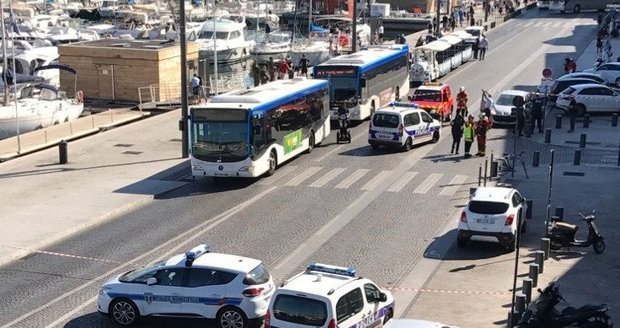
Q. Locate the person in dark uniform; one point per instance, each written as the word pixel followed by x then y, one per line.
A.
pixel 520 120
pixel 303 64
pixel 255 74
pixel 537 113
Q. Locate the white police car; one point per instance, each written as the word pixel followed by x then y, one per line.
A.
pixel 233 289
pixel 328 296
pixel 402 125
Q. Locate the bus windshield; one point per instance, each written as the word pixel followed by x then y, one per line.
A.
pixel 344 88
pixel 219 134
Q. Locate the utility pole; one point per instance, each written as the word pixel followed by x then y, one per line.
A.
pixel 354 27
pixel 184 107
pixel 437 20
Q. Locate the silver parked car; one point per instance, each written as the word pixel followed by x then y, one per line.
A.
pixel 590 98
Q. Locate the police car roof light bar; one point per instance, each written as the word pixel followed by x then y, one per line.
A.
pixel 326 268
pixel 195 252
pixel 404 104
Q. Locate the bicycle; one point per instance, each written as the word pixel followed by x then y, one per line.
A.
pixel 505 163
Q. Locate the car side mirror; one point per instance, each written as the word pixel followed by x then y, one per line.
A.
pixel 151 281
pixel 382 297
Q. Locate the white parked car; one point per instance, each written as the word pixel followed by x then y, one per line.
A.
pixel 492 215
pixel 504 113
pixel 590 98
pixel 402 125
pixel 328 296
pixel 232 289
pixel 475 31
pixel 414 323
pixel 609 71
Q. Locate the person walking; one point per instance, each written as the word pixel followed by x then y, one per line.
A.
pixel 471 13
pixel 271 69
pixel 537 113
pixel 283 68
pixel 482 47
pixel 469 133
pixel 264 77
pixel 444 23
pixel 599 45
pixel 255 71
pixel 303 64
pixel 475 47
pixel 572 114
pixel 520 121
pixel 195 88
pixel 461 102
pixel 381 31
pixel 481 134
pixel 457 124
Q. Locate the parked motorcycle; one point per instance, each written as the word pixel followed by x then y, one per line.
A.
pixel 543 313
pixel 562 234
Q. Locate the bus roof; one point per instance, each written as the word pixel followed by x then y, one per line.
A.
pixel 371 57
pixel 267 95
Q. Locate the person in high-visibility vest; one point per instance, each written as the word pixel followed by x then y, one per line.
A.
pixel 469 133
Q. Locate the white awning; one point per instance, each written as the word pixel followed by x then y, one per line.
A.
pixel 435 46
pixel 451 39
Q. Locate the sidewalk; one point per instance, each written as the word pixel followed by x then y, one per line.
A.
pixel 474 284
pixel 109 174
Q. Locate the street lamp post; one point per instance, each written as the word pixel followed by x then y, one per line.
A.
pixel 184 106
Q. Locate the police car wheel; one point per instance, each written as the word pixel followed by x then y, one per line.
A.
pixel 124 312
pixel 408 145
pixel 435 136
pixel 374 145
pixel 388 316
pixel 231 317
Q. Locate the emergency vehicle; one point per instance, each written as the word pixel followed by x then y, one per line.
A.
pixel 436 99
pixel 328 296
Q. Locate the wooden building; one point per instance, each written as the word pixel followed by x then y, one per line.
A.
pixel 115 69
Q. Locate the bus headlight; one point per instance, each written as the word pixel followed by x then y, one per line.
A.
pixel 196 167
pixel 247 169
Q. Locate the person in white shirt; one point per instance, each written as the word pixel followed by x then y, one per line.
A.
pixel 380 31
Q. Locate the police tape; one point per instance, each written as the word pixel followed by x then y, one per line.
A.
pixel 38 251
pixel 447 291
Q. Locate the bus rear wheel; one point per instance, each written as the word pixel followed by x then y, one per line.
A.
pixel 273 163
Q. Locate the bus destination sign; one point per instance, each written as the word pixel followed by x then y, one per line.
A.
pixel 326 71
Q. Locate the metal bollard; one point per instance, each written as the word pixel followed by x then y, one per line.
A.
pixel 558 121
pixel 528 212
pixel 520 302
pixel 62 152
pixel 540 260
pixel 547 136
pixel 582 140
pixel 614 119
pixel 513 321
pixel 527 290
pixel 559 212
pixel 533 274
pixel 536 159
pixel 545 245
pixel 586 120
pixel 494 166
pixel 577 158
pixel 486 169
pixel 480 175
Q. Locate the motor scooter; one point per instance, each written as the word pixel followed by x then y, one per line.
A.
pixel 343 134
pixel 562 234
pixel 543 314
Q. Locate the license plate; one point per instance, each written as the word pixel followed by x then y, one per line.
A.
pixel 384 136
pixel 485 221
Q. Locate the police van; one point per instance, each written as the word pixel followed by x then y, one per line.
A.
pixel 328 296
pixel 402 125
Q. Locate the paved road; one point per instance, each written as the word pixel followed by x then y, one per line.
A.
pixel 378 212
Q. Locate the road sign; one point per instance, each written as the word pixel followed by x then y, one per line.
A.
pixel 547 72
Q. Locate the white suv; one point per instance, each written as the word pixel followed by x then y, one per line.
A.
pixel 233 289
pixel 327 296
pixel 492 215
pixel 402 125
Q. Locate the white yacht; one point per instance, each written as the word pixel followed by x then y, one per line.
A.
pixel 38 106
pixel 276 44
pixel 30 57
pixel 228 37
pixel 316 51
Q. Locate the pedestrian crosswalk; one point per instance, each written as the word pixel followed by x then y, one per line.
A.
pixel 442 184
pixel 543 24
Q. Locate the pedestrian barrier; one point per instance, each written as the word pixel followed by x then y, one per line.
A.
pixel 545 245
pixel 520 303
pixel 527 289
pixel 539 257
pixel 582 140
pixel 533 274
pixel 63 152
pixel 577 157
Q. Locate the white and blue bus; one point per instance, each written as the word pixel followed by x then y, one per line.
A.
pixel 366 80
pixel 248 133
pixel 576 6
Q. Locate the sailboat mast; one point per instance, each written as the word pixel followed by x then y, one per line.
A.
pixel 309 17
pixel 19 144
pixel 4 65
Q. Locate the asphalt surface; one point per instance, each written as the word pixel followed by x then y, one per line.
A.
pixel 381 227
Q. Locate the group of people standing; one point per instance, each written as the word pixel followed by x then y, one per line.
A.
pixel 468 128
pixel 280 70
pixel 480 47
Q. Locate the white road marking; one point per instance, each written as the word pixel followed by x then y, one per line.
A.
pixel 374 182
pixel 165 250
pixel 402 181
pixel 428 183
pixel 280 173
pixel 329 176
pixel 358 174
pixel 338 147
pixel 303 176
pixel 453 185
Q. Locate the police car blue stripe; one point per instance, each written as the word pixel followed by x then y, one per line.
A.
pixel 178 299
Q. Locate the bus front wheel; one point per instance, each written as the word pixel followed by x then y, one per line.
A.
pixel 311 142
pixel 273 163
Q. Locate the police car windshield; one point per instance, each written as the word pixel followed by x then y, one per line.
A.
pixel 134 274
pixel 427 95
pixel 505 100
